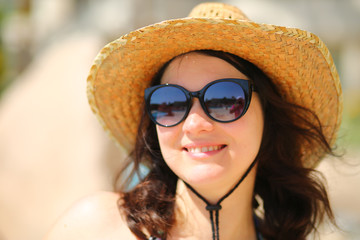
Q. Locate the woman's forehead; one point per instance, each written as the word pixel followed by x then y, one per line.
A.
pixel 196 67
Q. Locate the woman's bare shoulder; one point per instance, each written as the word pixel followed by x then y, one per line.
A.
pixel 96 216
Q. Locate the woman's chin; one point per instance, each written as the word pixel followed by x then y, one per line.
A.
pixel 205 175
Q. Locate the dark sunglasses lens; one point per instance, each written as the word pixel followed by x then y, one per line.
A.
pixel 168 105
pixel 225 101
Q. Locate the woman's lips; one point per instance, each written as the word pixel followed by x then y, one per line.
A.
pixel 204 149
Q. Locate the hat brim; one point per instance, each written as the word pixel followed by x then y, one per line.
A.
pixel 297 61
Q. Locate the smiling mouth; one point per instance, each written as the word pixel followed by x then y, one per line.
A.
pixel 204 149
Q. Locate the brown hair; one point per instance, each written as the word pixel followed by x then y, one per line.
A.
pixel 294 197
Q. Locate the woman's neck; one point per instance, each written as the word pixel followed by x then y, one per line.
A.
pixel 236 219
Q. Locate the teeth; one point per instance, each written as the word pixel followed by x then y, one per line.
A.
pixel 204 149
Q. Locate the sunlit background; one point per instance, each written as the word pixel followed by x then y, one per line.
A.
pixel 53 151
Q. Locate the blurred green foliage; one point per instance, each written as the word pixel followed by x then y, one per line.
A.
pixel 349 135
pixel 4 10
pixel 2 54
pixel 7 9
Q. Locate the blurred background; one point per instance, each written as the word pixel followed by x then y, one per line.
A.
pixel 52 149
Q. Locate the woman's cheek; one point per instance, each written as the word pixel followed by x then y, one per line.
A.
pixel 169 142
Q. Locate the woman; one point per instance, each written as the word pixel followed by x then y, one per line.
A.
pixel 165 93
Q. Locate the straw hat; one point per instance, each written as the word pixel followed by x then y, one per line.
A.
pixel 297 61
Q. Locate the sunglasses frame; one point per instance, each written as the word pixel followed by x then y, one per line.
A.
pixel 246 85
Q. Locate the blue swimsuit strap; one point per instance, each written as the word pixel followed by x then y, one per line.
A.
pixel 257 222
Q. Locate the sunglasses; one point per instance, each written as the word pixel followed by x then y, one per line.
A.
pixel 223 100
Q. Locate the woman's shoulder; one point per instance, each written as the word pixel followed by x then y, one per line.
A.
pixel 96 216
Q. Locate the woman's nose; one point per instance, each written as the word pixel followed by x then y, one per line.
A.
pixel 197 121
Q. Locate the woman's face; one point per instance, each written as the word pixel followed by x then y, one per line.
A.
pixel 205 153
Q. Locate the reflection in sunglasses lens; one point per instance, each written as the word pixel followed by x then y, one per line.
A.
pixel 225 101
pixel 168 105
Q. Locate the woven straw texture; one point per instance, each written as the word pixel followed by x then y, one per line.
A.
pixel 297 61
